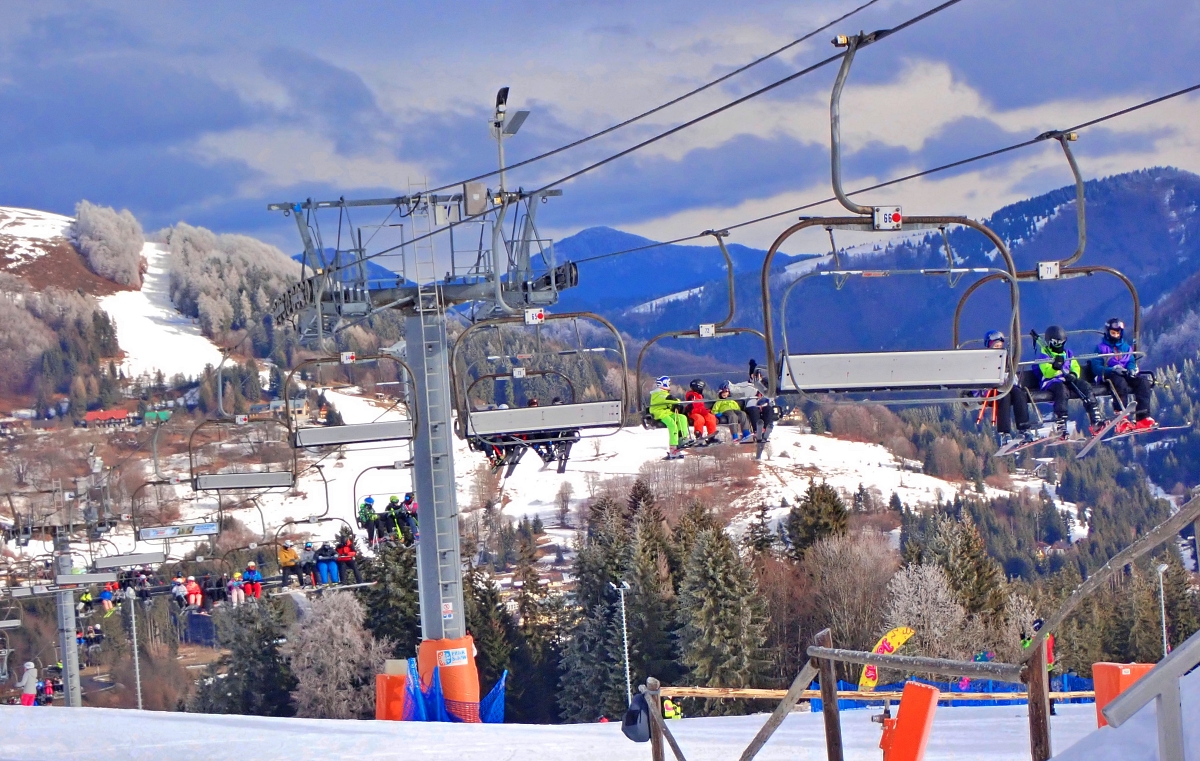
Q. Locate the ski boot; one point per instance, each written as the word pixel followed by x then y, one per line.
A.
pixel 714 439
pixel 1003 439
pixel 674 454
pixel 1060 428
pixel 1124 427
pixel 1145 424
pixel 1028 435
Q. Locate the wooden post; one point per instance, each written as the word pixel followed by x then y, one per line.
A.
pixel 829 699
pixel 1037 678
pixel 799 685
pixel 656 735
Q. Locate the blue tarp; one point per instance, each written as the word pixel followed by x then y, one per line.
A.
pixel 1058 683
pixel 430 704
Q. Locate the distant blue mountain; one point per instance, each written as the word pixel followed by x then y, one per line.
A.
pixel 377 276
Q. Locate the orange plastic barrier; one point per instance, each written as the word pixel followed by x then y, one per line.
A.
pixel 904 737
pixel 1111 680
pixel 455 661
pixel 390 695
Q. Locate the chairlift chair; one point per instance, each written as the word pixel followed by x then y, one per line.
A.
pixel 888 377
pixel 230 480
pixel 552 428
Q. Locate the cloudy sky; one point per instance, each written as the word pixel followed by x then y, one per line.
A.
pixel 205 112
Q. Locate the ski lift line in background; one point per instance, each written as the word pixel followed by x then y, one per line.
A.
pixel 349 433
pixel 559 417
pixel 223 481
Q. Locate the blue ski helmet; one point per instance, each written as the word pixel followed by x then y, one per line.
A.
pixel 369 500
pixel 726 386
pixel 663 382
pixel 991 337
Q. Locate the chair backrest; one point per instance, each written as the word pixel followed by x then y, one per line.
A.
pixel 883 371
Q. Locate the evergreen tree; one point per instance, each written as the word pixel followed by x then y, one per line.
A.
pixel 759 537
pixel 650 607
pixel 593 683
pixel 490 626
pixel 895 504
pixel 820 513
pixel 975 577
pixel 1183 610
pixel 392 609
pixel 641 496
pixel 258 678
pixel 696 519
pixel 722 619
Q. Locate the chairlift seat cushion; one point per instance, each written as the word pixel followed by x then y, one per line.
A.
pixel 900 370
pixel 556 417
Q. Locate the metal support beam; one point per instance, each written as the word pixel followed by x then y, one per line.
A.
pixel 67 645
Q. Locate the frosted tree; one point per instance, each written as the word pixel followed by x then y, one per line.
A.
pixel 111 242
pixel 335 660
pixel 920 597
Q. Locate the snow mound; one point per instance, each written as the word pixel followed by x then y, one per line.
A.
pixel 26 233
pixel 151 332
pixel 964 734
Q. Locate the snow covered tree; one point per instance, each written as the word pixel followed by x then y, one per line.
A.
pixel 853 609
pixel 820 513
pixel 254 678
pixel 392 608
pixel 920 597
pixel 722 619
pixel 335 660
pixel 978 580
pixel 111 242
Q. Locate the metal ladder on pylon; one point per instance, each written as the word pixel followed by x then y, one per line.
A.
pixel 431 309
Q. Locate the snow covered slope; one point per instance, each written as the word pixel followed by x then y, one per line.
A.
pixel 152 333
pixel 962 734
pixel 26 234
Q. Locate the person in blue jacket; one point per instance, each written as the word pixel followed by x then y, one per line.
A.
pixel 1117 365
pixel 1060 375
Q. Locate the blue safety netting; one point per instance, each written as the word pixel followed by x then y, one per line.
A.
pixel 431 704
pixel 1058 683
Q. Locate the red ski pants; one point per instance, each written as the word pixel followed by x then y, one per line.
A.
pixel 703 420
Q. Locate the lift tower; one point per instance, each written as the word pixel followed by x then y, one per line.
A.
pixel 504 278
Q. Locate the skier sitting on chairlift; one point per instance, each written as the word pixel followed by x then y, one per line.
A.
pixel 1060 375
pixel 1118 367
pixel 1014 406
pixel 729 411
pixel 760 410
pixel 703 420
pixel 369 520
pixel 664 408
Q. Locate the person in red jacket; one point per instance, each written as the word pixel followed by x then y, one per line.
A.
pixel 195 596
pixel 702 418
pixel 347 559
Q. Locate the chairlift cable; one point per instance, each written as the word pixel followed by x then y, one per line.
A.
pixel 952 165
pixel 678 128
pixel 668 104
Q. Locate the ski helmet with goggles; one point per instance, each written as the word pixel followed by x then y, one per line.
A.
pixel 1114 324
pixel 369 500
pixel 663 382
pixel 726 386
pixel 1056 337
pixel 991 337
pixel 698 385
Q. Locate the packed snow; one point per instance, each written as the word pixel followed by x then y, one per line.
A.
pixel 23 231
pixel 962 734
pixel 151 332
pixel 656 304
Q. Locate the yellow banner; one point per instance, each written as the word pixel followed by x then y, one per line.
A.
pixel 887 644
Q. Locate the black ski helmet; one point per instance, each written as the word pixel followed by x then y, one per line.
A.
pixel 1114 323
pixel 698 385
pixel 1056 337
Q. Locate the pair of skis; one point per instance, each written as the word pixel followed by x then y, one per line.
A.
pixel 1016 446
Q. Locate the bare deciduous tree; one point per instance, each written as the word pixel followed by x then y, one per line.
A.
pixel 335 660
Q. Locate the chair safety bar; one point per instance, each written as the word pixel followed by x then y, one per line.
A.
pixel 555 417
pixel 961 368
pixel 362 433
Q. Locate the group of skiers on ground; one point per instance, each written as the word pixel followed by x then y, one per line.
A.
pixel 322 565
pixel 744 407
pixel 1059 372
pixel 399 519
pixel 36 691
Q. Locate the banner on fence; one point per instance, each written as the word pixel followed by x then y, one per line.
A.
pixel 887 644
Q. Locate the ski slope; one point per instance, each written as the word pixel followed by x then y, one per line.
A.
pixel 961 734
pixel 24 234
pixel 151 332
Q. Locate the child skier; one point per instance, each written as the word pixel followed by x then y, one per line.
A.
pixel 368 519
pixel 1060 376
pixel 664 408
pixel 347 558
pixel 703 421
pixel 1118 366
pixel 234 590
pixel 252 581
pixel 194 595
pixel 1012 407
pixel 729 411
